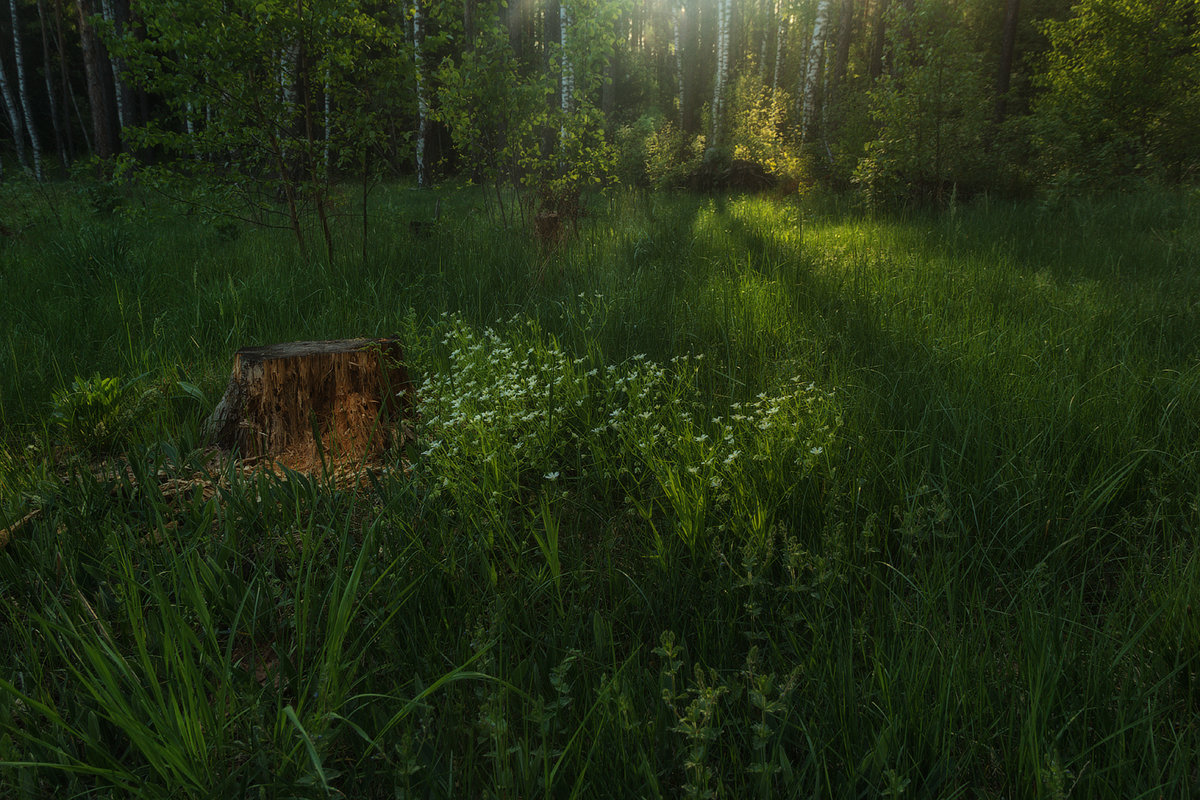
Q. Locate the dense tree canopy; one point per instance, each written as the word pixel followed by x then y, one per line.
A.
pixel 901 99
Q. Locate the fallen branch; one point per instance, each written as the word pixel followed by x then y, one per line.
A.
pixel 12 530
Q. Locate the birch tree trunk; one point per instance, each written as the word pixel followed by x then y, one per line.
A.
pixel 26 107
pixel 724 11
pixel 422 92
pixel 568 68
pixel 116 14
pixel 812 72
pixel 14 117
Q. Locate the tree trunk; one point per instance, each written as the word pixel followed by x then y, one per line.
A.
pixel 878 40
pixel 1004 74
pixel 422 93
pixel 677 12
pixel 841 56
pixel 468 11
pixel 724 13
pixel 99 85
pixel 567 67
pixel 780 37
pixel 812 73
pixel 690 53
pixel 14 117
pixel 516 25
pixel 353 394
pixel 48 74
pixel 116 14
pixel 68 99
pixel 26 106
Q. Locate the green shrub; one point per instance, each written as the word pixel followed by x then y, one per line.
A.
pixel 96 415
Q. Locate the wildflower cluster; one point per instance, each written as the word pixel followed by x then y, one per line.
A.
pixel 510 414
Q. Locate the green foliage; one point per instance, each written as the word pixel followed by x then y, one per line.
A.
pixel 932 112
pixel 632 143
pixel 247 131
pixel 1121 94
pixel 503 122
pixel 758 128
pixel 496 117
pixel 97 414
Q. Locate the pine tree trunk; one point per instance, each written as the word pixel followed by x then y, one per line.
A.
pixel 26 106
pixel 841 57
pixel 100 93
pixel 780 37
pixel 68 99
pixel 878 40
pixel 1004 73
pixel 515 19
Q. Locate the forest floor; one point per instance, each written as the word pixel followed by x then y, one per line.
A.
pixel 716 497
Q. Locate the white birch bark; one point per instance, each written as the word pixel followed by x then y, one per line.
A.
pixel 26 108
pixel 422 92
pixel 568 68
pixel 812 71
pixel 120 90
pixel 724 11
pixel 14 117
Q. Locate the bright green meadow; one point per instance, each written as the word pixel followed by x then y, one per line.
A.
pixel 719 497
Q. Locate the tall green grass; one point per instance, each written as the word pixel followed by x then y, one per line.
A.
pixel 724 497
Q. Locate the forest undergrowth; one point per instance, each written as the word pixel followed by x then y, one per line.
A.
pixel 718 497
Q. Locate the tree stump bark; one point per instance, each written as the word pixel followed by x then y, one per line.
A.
pixel 300 402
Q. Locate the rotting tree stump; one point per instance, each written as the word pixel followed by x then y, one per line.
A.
pixel 302 402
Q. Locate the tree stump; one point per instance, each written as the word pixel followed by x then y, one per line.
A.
pixel 300 402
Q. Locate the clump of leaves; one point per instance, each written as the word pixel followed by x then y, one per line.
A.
pixel 96 414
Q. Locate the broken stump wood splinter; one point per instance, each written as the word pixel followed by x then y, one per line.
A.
pixel 354 394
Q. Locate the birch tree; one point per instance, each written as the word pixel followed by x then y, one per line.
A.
pixel 418 47
pixel 780 37
pixel 567 89
pixel 812 72
pixel 720 90
pixel 14 117
pixel 23 93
